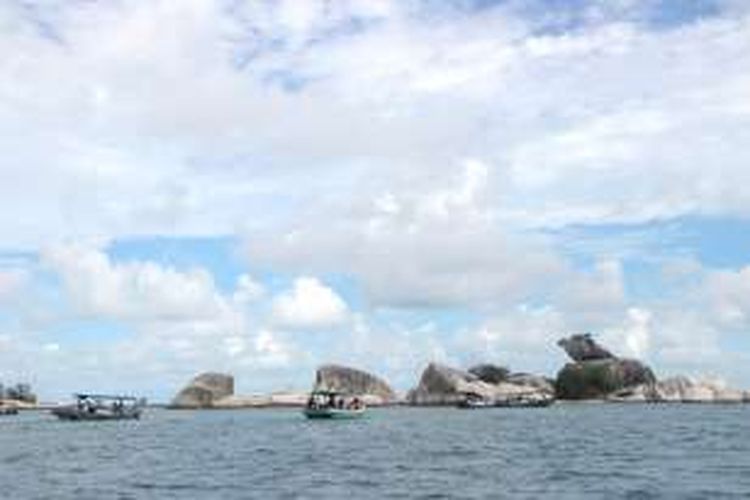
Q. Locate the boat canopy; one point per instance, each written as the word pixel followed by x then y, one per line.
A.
pixel 109 397
pixel 327 392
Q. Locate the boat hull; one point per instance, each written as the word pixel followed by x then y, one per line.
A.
pixel 76 414
pixel 472 405
pixel 541 403
pixel 508 403
pixel 333 413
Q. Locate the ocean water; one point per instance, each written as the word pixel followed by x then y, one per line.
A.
pixel 565 451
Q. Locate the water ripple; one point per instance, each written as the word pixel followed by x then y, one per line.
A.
pixel 564 452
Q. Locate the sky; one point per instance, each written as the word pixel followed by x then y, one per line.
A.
pixel 261 187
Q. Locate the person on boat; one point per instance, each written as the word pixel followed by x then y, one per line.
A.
pixel 313 402
pixel 90 406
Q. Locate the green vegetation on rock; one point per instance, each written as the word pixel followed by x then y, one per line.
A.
pixel 599 378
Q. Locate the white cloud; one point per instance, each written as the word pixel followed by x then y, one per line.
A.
pixel 248 290
pixel 639 336
pixel 593 296
pixel 177 322
pixel 11 280
pixel 572 122
pixel 51 347
pixel 728 292
pixel 271 351
pixel 134 290
pixel 395 350
pixel 309 305
pixel 430 246
pixel 633 337
pixel 519 335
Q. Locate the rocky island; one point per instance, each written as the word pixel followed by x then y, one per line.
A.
pixel 216 390
pixel 444 385
pixel 593 373
pixel 374 390
pixel 207 390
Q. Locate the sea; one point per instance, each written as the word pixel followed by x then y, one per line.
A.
pixel 566 451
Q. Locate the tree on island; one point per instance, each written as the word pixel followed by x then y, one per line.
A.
pixel 18 392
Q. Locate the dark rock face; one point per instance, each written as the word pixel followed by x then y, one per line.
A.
pixel 543 384
pixel 596 373
pixel 599 378
pixel 582 347
pixel 492 374
pixel 204 391
pixel 352 381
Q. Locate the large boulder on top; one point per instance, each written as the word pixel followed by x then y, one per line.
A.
pixel 582 347
pixel 444 385
pixel 204 391
pixel 492 374
pixel 595 372
pixel 600 378
pixel 348 380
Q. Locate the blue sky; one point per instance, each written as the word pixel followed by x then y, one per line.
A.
pixel 262 187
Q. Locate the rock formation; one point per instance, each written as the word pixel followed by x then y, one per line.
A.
pixel 441 385
pixel 492 374
pixel 205 391
pixel 275 399
pixel 444 385
pixel 582 347
pixel 595 372
pixel 600 378
pixel 216 390
pixel 544 384
pixel 348 380
pixel 681 390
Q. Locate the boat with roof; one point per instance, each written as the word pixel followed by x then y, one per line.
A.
pixel 100 407
pixel 324 404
